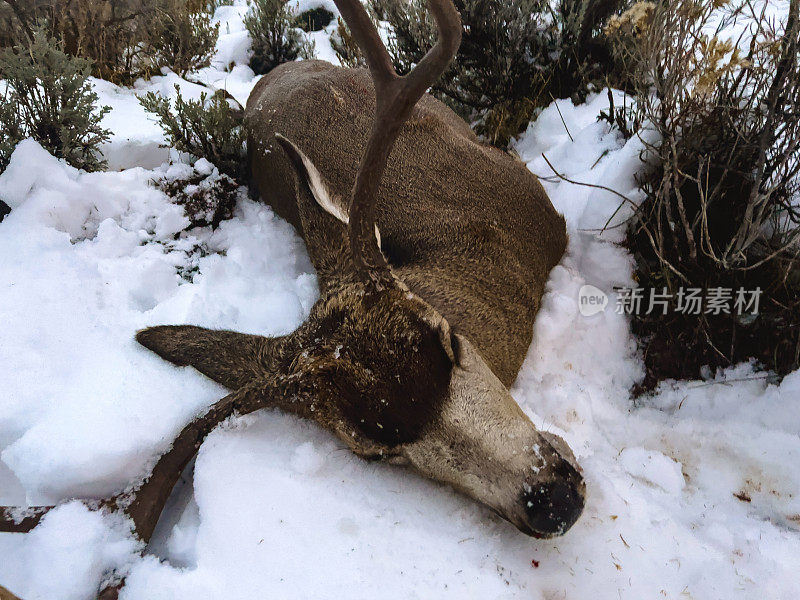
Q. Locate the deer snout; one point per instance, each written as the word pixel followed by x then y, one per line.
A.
pixel 550 507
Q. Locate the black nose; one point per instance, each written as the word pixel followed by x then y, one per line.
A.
pixel 553 507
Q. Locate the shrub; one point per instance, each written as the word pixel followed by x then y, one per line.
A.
pixel 12 29
pixel 207 196
pixel 721 190
pixel 49 99
pixel 10 124
pixel 181 37
pixel 274 37
pixel 124 39
pixel 515 55
pixel 207 128
pixel 103 31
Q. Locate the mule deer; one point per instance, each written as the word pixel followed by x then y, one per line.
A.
pixel 430 277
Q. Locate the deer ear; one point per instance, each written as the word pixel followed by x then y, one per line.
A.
pixel 331 203
pixel 230 358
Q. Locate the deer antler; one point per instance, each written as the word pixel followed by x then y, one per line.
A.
pixel 395 97
pixel 143 504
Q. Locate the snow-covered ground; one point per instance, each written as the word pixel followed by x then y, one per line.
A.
pixel 694 491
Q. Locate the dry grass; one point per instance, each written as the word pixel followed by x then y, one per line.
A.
pixel 346 48
pixel 124 39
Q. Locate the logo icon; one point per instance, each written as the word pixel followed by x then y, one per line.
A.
pixel 591 300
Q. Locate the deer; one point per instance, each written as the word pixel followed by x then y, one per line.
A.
pixel 6 595
pixel 432 250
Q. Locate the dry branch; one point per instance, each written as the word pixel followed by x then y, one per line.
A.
pixel 721 183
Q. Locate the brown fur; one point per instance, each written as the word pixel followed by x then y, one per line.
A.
pixel 464 225
pixel 376 396
pixel 6 595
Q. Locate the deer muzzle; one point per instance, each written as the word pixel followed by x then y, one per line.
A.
pixel 484 445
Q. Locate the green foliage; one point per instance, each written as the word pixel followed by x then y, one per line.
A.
pixel 181 37
pixel 275 38
pixel 515 55
pixel 49 99
pixel 207 128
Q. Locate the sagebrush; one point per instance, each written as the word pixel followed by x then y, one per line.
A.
pixel 180 36
pixel 515 55
pixel 722 182
pixel 205 128
pixel 48 97
pixel 124 39
pixel 275 38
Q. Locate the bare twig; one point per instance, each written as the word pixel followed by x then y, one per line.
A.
pixel 748 228
pixel 591 185
pixel 17 520
pixel 563 122
pixel 22 18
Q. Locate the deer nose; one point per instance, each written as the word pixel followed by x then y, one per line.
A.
pixel 551 508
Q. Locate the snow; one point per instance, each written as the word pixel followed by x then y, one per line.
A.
pixel 67 554
pixel 693 490
pixel 654 468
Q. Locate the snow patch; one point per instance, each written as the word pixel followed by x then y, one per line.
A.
pixel 67 555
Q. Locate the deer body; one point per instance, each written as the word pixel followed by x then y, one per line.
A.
pixel 464 225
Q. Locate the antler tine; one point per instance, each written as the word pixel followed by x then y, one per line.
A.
pixel 395 97
pixel 143 504
pixel 433 64
pixel 21 520
pixel 368 39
